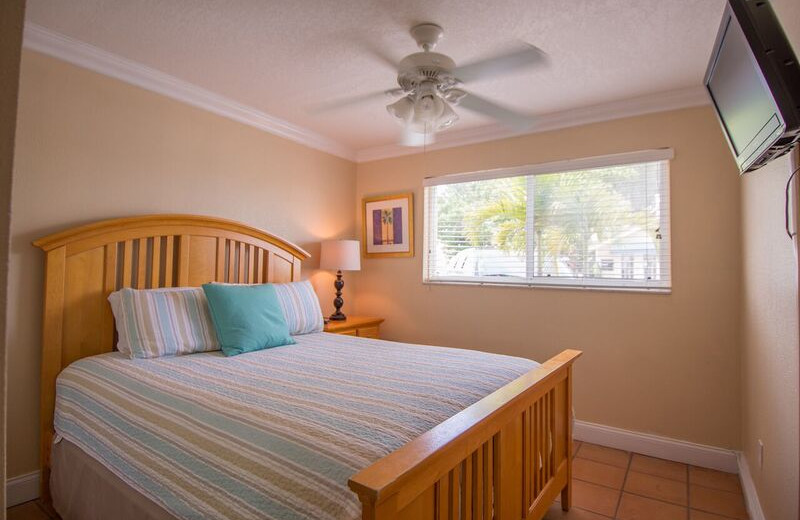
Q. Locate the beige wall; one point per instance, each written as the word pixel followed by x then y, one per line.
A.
pixel 770 326
pixel 11 18
pixel 90 147
pixel 770 342
pixel 665 364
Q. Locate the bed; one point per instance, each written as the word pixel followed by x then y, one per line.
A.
pixel 488 437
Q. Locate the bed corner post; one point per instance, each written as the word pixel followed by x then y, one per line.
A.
pixel 372 510
pixel 52 333
pixel 566 492
pixel 367 506
pixel 510 471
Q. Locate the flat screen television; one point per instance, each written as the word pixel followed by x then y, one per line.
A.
pixel 753 78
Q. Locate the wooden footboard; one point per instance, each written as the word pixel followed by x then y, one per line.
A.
pixel 506 457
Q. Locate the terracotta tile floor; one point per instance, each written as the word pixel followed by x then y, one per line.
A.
pixel 610 483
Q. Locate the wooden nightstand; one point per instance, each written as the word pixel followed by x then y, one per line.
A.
pixel 362 326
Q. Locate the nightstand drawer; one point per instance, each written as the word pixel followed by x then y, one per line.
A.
pixel 361 326
pixel 369 332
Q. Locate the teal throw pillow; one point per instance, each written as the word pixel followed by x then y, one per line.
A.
pixel 247 317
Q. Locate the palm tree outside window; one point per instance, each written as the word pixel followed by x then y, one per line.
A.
pixel 593 227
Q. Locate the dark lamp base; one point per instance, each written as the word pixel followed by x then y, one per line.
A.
pixel 338 284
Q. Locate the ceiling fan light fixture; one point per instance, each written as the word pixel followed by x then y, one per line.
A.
pixel 402 109
pixel 454 95
pixel 427 110
pixel 412 139
pixel 447 119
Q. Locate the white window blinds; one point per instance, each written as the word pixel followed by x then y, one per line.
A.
pixel 598 222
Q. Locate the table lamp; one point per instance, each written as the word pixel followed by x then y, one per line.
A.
pixel 340 255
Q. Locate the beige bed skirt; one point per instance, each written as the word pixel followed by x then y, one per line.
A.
pixel 83 489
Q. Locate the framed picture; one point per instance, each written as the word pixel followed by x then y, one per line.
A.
pixel 388 225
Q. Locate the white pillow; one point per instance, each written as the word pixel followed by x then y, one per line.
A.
pixel 163 322
pixel 300 307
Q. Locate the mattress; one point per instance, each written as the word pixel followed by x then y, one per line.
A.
pixel 273 434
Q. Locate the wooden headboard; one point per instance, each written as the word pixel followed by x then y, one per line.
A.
pixel 84 265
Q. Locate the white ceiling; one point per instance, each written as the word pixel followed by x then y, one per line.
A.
pixel 282 57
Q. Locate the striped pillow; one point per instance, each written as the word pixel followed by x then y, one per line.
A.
pixel 300 307
pixel 163 322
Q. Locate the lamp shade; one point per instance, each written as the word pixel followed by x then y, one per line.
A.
pixel 342 255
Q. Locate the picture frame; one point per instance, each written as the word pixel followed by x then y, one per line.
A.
pixel 387 226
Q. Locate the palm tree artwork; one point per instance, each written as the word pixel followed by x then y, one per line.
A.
pixel 387 225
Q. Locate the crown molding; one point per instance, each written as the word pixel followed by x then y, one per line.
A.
pixel 42 40
pixel 660 102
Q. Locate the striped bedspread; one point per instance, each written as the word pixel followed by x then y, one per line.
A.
pixel 271 434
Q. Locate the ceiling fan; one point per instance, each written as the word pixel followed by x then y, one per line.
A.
pixel 430 86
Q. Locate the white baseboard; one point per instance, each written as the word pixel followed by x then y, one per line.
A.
pixel 22 488
pixel 657 446
pixel 749 489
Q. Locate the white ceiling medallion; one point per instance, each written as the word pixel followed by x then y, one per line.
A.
pixel 39 39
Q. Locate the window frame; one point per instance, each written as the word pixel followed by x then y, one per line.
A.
pixel 556 167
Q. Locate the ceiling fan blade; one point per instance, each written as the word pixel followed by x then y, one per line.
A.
pixel 522 57
pixel 507 117
pixel 380 54
pixel 336 104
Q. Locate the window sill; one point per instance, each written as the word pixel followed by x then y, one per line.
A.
pixel 594 288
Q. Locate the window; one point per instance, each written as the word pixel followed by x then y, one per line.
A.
pixel 601 222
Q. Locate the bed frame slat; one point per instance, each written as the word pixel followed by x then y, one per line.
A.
pixel 258 266
pixel 220 260
pixel 140 246
pixel 155 264
pixel 169 263
pixel 127 264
